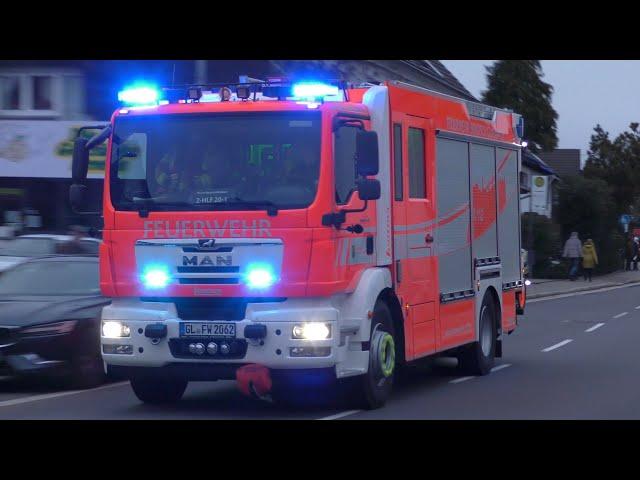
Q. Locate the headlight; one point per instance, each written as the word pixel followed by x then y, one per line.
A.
pixel 115 329
pixel 56 328
pixel 312 331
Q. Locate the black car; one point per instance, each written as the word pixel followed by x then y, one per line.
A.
pixel 50 319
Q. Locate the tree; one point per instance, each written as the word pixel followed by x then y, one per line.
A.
pixel 518 85
pixel 586 205
pixel 617 162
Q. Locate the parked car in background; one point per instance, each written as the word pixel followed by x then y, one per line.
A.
pixel 50 319
pixel 28 246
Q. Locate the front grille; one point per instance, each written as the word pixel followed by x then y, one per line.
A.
pixel 208 269
pixel 208 281
pixel 231 309
pixel 5 333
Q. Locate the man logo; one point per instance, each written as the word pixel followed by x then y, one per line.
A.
pixel 206 242
pixel 206 260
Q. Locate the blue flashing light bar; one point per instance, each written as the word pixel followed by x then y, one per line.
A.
pixel 156 276
pixel 139 96
pixel 314 90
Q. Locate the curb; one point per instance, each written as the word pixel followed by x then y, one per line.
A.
pixel 582 289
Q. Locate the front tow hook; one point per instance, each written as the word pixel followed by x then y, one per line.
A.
pixel 254 381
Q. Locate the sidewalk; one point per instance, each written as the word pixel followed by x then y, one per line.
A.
pixel 541 287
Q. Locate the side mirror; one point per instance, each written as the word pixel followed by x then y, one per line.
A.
pixel 80 164
pixel 368 189
pixel 367 162
pixel 77 193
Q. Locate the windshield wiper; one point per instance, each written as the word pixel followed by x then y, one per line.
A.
pixel 268 205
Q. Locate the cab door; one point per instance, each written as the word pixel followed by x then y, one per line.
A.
pixel 413 229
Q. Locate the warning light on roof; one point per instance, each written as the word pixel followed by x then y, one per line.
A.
pixel 314 90
pixel 138 96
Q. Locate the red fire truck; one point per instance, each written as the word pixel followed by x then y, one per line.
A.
pixel 273 230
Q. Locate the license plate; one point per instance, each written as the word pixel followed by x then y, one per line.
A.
pixel 207 329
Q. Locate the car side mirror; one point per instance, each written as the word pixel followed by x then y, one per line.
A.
pixel 367 161
pixel 368 189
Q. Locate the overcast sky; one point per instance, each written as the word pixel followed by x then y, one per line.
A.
pixel 586 92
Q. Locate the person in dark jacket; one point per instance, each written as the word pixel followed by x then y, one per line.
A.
pixel 635 252
pixel 628 253
pixel 573 252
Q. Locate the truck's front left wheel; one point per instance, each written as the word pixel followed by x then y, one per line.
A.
pixel 374 387
pixel 158 391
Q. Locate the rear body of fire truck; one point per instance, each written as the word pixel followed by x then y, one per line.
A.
pixel 247 237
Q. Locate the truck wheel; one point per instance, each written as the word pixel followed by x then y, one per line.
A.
pixel 374 388
pixel 158 391
pixel 479 357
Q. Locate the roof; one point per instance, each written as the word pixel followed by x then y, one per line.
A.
pixel 431 74
pixel 531 160
pixel 564 161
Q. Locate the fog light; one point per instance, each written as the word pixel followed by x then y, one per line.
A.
pixel 117 349
pixel 114 329
pixel 309 351
pixel 212 348
pixel 312 331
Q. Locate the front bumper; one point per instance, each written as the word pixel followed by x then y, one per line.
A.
pixel 273 351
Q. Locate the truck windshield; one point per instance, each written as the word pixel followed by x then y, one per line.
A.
pixel 215 162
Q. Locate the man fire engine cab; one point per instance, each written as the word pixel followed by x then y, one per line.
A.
pixel 271 231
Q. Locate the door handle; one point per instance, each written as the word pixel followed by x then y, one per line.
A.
pixel 428 238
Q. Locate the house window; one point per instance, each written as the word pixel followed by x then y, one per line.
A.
pixel 41 93
pixel 9 93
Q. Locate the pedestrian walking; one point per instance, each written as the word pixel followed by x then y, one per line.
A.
pixel 636 252
pixel 628 253
pixel 573 252
pixel 589 259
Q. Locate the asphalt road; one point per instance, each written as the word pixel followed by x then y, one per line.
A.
pixel 575 357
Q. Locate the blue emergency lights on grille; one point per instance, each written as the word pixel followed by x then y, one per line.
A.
pixel 143 95
pixel 156 276
pixel 259 276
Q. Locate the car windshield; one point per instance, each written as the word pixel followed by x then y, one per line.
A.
pixel 215 162
pixel 27 247
pixel 51 278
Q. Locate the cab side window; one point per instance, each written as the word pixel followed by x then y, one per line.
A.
pixel 345 167
pixel 417 182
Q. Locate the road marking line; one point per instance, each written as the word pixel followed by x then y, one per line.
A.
pixel 340 415
pixel 461 379
pixel 500 367
pixel 557 345
pixel 621 315
pixel 595 327
pixel 36 398
pixel 638 307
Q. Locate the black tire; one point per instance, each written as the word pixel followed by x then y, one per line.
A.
pixel 374 388
pixel 473 360
pixel 158 391
pixel 87 372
